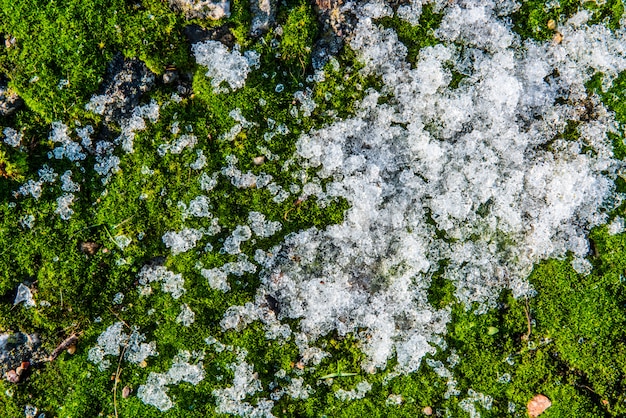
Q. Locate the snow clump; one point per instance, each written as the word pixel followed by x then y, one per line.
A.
pixel 476 179
pixel 154 391
pixel 223 65
pixel 113 339
pixel 180 242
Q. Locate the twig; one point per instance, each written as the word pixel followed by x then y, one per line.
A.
pixel 117 378
pixel 118 317
pixel 528 320
pixel 65 344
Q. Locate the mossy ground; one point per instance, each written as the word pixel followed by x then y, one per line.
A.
pixel 568 342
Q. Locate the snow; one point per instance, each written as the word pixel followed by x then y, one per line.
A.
pixel 460 177
pixel 154 391
pixel 183 241
pixel 224 66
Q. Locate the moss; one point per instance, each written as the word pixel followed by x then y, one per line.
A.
pixel 531 19
pixel 574 353
pixel 418 36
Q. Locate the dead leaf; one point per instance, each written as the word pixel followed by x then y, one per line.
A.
pixel 537 405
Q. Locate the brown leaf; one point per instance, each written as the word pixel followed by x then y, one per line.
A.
pixel 537 405
pixel 89 247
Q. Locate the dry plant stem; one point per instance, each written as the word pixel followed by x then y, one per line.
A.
pixel 65 344
pixel 117 378
pixel 118 317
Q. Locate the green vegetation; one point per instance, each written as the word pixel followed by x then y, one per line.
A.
pixel 568 342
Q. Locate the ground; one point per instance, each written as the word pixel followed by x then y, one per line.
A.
pixel 568 342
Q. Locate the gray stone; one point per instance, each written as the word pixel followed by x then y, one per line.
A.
pixel 263 16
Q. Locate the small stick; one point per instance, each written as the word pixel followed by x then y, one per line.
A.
pixel 118 317
pixel 117 377
pixel 65 344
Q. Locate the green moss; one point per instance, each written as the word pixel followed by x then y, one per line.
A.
pixel 574 353
pixel 418 36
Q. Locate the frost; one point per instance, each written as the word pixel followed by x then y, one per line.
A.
pixel 67 185
pixel 154 391
pixel 180 242
pixel 24 295
pixel 186 315
pixel 113 340
pixel 12 137
pixel 170 282
pixel 231 400
pixel 224 66
pixel 63 206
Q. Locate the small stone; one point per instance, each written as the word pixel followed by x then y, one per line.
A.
pixel 71 349
pixel 126 392
pixel 551 24
pixel 558 38
pixel 427 410
pixel 258 160
pixel 537 405
pixel 170 76
pixel 12 376
pixel 143 364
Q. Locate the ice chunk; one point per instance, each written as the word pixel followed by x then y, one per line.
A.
pixel 24 295
pixel 224 66
pixel 180 242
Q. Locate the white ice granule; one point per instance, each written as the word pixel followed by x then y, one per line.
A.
pixel 616 226
pixel 12 137
pixel 199 207
pixel 224 66
pixel 180 242
pixel 262 227
pixel 154 391
pixel 233 241
pixel 122 241
pixel 231 400
pixel 200 161
pixel 32 188
pixel 113 340
pixel 358 392
pixel 69 149
pixel 118 298
pixel 170 282
pixel 217 278
pixel 67 185
pixel 186 315
pixel 28 221
pixel 63 206
pixel 474 179
pixel 207 183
